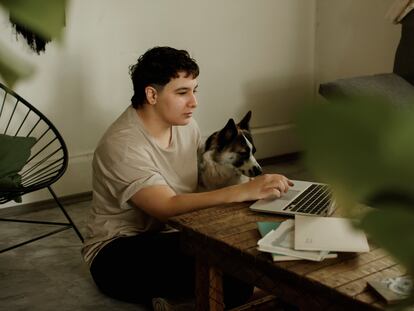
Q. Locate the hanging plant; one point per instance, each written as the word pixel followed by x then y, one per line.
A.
pixel 36 42
pixel 38 21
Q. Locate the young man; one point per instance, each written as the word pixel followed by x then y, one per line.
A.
pixel 145 171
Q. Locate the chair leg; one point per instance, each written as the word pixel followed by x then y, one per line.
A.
pixel 65 226
pixel 34 239
pixel 66 214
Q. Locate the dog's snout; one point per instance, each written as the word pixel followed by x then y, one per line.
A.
pixel 255 171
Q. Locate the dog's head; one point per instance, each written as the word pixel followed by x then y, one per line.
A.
pixel 233 147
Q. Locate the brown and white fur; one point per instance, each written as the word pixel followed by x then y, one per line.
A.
pixel 226 158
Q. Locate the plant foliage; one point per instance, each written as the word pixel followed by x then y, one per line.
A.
pixel 44 17
pixel 364 148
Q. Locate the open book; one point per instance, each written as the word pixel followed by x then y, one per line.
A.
pixel 264 228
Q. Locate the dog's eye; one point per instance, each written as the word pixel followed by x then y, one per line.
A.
pixel 245 154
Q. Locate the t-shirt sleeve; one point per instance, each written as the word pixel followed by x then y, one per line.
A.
pixel 123 170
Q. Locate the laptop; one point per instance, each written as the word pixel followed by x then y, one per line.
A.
pixel 304 198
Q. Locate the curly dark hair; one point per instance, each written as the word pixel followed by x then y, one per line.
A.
pixel 156 67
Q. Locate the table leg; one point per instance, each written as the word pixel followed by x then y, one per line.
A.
pixel 209 287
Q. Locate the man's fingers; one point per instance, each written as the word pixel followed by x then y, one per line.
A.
pixel 273 192
pixel 280 182
pixel 275 184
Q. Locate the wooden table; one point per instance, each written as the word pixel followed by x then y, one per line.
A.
pixel 224 238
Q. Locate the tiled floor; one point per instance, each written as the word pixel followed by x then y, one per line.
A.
pixel 49 274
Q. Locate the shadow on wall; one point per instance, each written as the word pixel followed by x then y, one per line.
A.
pixel 275 101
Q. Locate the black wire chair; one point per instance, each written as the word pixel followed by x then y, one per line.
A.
pixel 48 160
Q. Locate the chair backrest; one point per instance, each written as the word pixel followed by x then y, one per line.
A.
pixel 49 156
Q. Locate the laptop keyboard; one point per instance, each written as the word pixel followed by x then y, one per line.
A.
pixel 315 200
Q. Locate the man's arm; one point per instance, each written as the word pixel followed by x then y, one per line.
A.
pixel 162 202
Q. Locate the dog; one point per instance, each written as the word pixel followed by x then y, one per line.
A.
pixel 227 156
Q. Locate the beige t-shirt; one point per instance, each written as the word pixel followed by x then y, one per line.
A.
pixel 126 160
pixel 399 9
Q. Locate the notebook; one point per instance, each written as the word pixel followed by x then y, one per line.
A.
pixel 328 234
pixel 304 198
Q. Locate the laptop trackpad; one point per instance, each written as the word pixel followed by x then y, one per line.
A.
pixel 289 195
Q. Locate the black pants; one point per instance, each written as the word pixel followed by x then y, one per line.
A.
pixel 139 268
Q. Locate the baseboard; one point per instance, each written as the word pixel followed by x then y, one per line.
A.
pixel 283 158
pixel 45 204
pixel 18 209
pixel 273 143
pixel 275 140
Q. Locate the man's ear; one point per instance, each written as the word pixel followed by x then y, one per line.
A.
pixel 151 94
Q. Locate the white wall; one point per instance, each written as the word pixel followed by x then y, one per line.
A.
pixel 353 38
pixel 253 54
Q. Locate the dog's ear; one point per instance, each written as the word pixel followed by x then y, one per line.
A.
pixel 244 123
pixel 227 134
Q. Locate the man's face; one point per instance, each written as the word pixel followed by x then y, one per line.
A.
pixel 176 101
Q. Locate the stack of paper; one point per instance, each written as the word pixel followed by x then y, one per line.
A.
pixel 311 238
pixel 281 241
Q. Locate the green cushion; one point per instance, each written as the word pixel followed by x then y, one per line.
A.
pixel 11 182
pixel 14 152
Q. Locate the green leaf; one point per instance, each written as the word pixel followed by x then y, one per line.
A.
pixel 391 226
pixel 343 144
pixel 398 149
pixel 12 67
pixel 44 17
pixel 364 148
